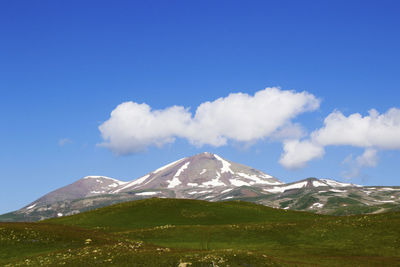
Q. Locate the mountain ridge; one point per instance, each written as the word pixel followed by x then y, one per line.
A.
pixel 207 176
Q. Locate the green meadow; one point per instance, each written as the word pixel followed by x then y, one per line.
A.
pixel 178 232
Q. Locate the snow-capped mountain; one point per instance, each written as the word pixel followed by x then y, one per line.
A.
pixel 208 176
pixel 202 171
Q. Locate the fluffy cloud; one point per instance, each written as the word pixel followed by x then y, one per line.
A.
pixel 237 117
pixel 297 153
pixel 133 126
pixel 244 118
pixel 374 131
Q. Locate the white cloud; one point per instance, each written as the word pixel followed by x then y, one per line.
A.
pixel 374 131
pixel 237 117
pixel 245 118
pixel 297 153
pixel 368 159
pixel 132 127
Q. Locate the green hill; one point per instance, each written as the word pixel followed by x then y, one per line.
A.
pixel 157 212
pixel 169 232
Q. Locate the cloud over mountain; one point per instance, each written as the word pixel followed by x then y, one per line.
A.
pixel 132 127
pixel 238 117
pixel 245 118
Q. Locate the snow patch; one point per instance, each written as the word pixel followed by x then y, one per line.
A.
pixel 181 169
pixel 104 177
pixel 334 183
pixel 338 191
pixel 214 182
pixel 227 198
pixel 135 182
pixel 192 184
pixel 166 166
pixel 237 182
pixel 97 192
pixel 318 183
pixel 31 206
pixel 226 190
pixel 388 189
pixel 385 201
pixel 203 171
pixel 205 191
pixel 225 165
pixel 175 181
pixel 200 192
pixel 147 193
pixel 317 205
pixel 282 189
pixel 267 176
pixel 59 214
pixel 113 185
pixel 256 179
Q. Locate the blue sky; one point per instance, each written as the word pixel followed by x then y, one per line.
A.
pixel 65 66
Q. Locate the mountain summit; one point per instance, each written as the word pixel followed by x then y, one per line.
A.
pixel 205 170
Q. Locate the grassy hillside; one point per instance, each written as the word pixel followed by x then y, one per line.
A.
pixel 157 212
pixel 169 232
pixel 19 240
pixel 32 244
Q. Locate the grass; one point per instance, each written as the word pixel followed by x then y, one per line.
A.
pixel 157 212
pixel 169 232
pixel 305 201
pixel 26 239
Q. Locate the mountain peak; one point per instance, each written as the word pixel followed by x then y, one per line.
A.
pixel 203 155
pixel 98 177
pixel 204 170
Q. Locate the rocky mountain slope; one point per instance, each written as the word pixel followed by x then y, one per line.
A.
pixel 207 176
